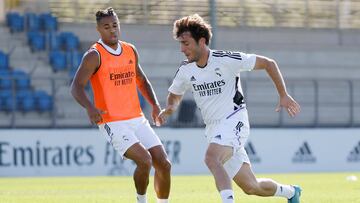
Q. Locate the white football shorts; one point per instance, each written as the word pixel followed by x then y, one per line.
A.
pixel 123 134
pixel 231 131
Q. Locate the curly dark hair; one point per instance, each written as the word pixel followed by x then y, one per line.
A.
pixel 100 14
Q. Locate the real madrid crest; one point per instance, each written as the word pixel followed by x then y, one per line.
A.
pixel 218 72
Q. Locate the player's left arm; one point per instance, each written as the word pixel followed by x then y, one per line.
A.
pixel 272 69
pixel 146 89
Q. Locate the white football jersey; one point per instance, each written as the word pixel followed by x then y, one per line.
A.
pixel 216 87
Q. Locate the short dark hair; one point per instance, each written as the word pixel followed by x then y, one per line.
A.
pixel 194 24
pixel 100 14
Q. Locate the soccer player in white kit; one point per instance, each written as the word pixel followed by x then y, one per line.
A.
pixel 214 80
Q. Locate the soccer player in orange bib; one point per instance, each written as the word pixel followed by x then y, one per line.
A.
pixel 114 72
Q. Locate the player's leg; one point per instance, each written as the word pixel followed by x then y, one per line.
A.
pixel 225 137
pixel 121 136
pixel 247 181
pixel 251 185
pixel 160 161
pixel 216 155
pixel 162 171
pixel 143 161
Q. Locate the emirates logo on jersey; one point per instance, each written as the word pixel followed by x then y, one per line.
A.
pixel 124 78
pixel 209 89
pixel 209 85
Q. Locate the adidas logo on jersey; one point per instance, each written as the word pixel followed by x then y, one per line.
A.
pixel 192 78
pixel 304 154
pixel 354 155
pixel 250 150
pixel 218 137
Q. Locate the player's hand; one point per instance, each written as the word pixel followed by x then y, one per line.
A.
pixel 155 114
pixel 288 103
pixel 164 114
pixel 162 117
pixel 94 114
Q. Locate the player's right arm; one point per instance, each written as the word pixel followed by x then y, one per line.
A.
pixel 272 69
pixel 89 65
pixel 173 102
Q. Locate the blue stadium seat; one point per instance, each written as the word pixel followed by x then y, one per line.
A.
pixel 4 94
pixel 44 102
pixel 32 22
pixel 48 22
pixel 58 60
pixel 53 41
pixel 4 61
pixel 25 100
pixel 9 103
pixel 5 79
pixel 9 16
pixel 75 59
pixel 28 104
pixel 42 17
pixel 30 35
pixel 16 22
pixel 69 40
pixel 37 41
pixel 22 80
pixel 51 24
pixel 72 43
pixel 64 35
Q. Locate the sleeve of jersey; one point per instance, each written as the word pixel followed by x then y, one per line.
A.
pixel 178 85
pixel 247 63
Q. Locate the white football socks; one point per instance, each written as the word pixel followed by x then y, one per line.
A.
pixel 162 201
pixel 141 198
pixel 227 196
pixel 287 191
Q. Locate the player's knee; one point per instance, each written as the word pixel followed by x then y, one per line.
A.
pixel 211 161
pixel 161 162
pixel 164 165
pixel 144 163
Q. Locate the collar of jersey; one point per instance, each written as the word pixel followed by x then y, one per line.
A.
pixel 111 50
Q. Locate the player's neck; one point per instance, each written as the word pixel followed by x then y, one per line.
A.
pixel 112 46
pixel 203 60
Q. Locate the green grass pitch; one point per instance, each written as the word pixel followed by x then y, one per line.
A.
pixel 317 188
